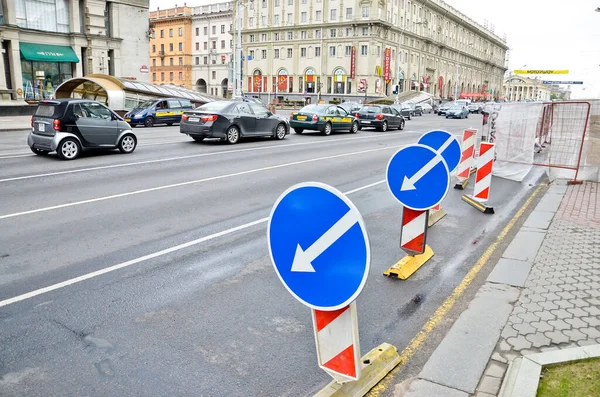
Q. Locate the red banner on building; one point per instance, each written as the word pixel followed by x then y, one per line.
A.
pixel 353 63
pixel 387 60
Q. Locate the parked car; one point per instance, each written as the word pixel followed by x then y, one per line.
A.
pixel 324 118
pixel 404 110
pixel 419 109
pixel 457 111
pixel 427 108
pixel 474 107
pixel 381 117
pixel 158 111
pixel 69 126
pixel 414 110
pixel 231 121
pixel 350 107
pixel 443 108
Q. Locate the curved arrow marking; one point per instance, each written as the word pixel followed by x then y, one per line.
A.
pixel 303 258
pixel 409 183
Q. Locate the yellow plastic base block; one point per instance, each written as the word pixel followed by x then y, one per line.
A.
pixel 409 264
pixel 462 185
pixel 375 365
pixel 436 216
pixel 477 205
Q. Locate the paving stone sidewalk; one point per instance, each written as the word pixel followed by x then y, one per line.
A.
pixel 549 276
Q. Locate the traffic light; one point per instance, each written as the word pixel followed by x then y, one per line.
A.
pixel 396 88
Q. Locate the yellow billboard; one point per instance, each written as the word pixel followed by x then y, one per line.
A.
pixel 541 71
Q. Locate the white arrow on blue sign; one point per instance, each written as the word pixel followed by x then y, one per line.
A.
pixel 418 177
pixel 444 143
pixel 319 246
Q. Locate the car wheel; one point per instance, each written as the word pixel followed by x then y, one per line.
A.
pixel 409 117
pixel 39 152
pixel 354 129
pixel 401 126
pixel 298 130
pixel 233 135
pixel 447 117
pixel 280 132
pixel 127 143
pixel 384 126
pixel 68 149
pixel 198 138
pixel 327 129
pixel 149 122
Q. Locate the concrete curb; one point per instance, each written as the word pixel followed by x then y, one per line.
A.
pixel 523 376
pixel 458 363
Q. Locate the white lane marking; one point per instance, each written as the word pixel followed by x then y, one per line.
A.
pixel 104 167
pixel 153 255
pixel 196 181
pixel 12 156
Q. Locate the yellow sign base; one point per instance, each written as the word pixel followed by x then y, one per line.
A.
pixel 375 365
pixel 477 205
pixel 409 264
pixel 436 216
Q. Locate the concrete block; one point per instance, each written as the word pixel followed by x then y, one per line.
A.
pixel 539 220
pixel 549 203
pixel 524 246
pixel 511 272
pixel 423 388
pixel 472 339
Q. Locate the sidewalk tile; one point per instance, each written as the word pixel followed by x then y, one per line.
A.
pixel 489 385
pixel 511 272
pixel 423 388
pixel 524 246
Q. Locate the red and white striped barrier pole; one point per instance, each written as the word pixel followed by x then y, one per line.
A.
pixel 466 160
pixel 483 179
pixel 336 338
pixel 413 240
pixel 435 215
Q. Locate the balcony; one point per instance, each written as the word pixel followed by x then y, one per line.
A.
pixel 161 54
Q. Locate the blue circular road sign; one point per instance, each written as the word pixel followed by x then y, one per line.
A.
pixel 440 139
pixel 418 177
pixel 319 246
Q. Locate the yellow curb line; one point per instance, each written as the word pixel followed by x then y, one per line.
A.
pixel 441 311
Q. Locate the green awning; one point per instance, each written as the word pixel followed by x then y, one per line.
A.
pixel 47 53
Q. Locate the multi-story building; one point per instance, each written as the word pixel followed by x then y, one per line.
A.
pixel 45 42
pixel 212 48
pixel 171 46
pixel 366 48
pixel 519 88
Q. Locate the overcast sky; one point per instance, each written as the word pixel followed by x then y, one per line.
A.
pixel 542 34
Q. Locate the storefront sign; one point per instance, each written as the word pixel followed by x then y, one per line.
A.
pixel 339 76
pixel 387 57
pixel 282 80
pixel 441 83
pixel 541 72
pixel 353 63
pixel 362 85
pixel 144 69
pixel 378 86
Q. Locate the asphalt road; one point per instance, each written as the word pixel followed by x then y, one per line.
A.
pixel 184 299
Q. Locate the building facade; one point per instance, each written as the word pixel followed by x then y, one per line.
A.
pixel 518 88
pixel 171 46
pixel 212 48
pixel 297 48
pixel 45 42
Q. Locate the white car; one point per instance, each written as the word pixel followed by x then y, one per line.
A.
pixel 427 108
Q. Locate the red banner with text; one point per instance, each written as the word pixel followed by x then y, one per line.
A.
pixel 353 63
pixel 387 61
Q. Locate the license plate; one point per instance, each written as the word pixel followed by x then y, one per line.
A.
pixel 301 118
pixel 41 127
pixel 365 122
pixel 194 119
pixel 128 120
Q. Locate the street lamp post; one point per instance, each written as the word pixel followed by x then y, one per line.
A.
pixel 237 93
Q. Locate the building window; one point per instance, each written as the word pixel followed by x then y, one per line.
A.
pixel 304 1
pixel 333 15
pixel 171 61
pixel 251 22
pixel 213 60
pixel 214 74
pixel 180 76
pixel 197 46
pixel 290 36
pixel 181 60
pixel 206 60
pixel 154 62
pixel 51 16
pixel 365 12
pixel 277 3
pixel 197 31
pixel 332 51
pixel 349 32
pixel 214 30
pixel 264 54
pixel 303 52
pixel 318 15
pixel 206 45
pixel 170 76
pixel 317 51
pixel 153 47
pixel 214 45
pixel 276 36
pixel 153 76
pixel 180 32
pixel 197 60
pixel 303 35
pixel 365 31
pixel 276 19
pixel 251 4
pixel 171 35
pixel 251 55
pixel 264 3
pixel 348 13
pixel 290 2
pixel 363 50
pixel 162 76
pixel 180 46
pixel 107 23
pixel 205 30
pixel 290 20
pixel 222 28
pixel 333 33
pixel 303 17
pixel 348 50
pixel 263 37
pixel 289 52
pixel 162 34
pixel 222 44
pixel 264 20
pixel 252 38
pixel 276 54
pixel 171 47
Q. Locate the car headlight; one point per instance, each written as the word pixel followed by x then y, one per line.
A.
pixel 137 116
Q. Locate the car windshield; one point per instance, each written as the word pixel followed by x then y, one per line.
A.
pixel 371 109
pixel 214 106
pixel 455 107
pixel 314 108
pixel 145 105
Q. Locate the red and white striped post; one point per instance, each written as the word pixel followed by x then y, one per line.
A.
pixel 336 338
pixel 466 160
pixel 413 235
pixel 483 179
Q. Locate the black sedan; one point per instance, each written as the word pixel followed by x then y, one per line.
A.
pixel 382 117
pixel 232 120
pixel 323 118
